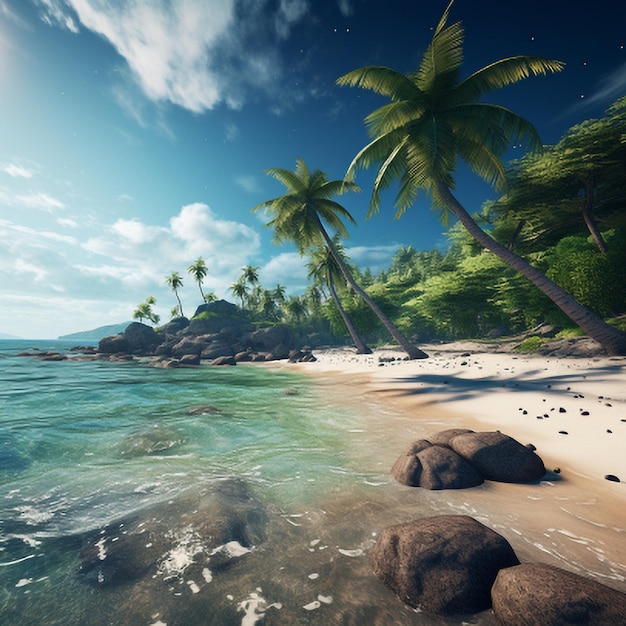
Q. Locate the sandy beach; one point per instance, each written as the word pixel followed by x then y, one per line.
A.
pixel 573 410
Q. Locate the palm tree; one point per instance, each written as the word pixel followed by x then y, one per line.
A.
pixel 324 269
pixel 144 311
pixel 250 275
pixel 240 291
pixel 299 217
pixel 175 281
pixel 296 308
pixel 434 118
pixel 198 270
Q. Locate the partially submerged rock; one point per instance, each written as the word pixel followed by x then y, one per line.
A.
pixel 543 595
pixel 444 564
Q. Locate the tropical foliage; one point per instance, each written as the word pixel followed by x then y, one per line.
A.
pixel 435 118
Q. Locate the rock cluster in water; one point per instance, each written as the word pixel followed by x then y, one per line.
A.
pixel 218 333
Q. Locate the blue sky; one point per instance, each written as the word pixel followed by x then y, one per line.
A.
pixel 134 135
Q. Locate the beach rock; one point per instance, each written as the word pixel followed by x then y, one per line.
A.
pixel 499 457
pixel 218 307
pixel 217 349
pixel 190 359
pixel 142 339
pixel 245 356
pixel 174 326
pixel 113 344
pixel 224 360
pixel 434 467
pixel 188 345
pixel 269 339
pixel 444 564
pixel 544 595
pixel 443 437
pixel 208 529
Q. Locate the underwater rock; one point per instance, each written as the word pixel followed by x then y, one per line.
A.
pixel 155 440
pixel 190 536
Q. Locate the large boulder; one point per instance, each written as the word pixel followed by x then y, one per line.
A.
pixel 113 344
pixel 444 437
pixel 535 594
pixel 434 467
pixel 274 339
pixel 499 457
pixel 218 307
pixel 174 326
pixel 188 345
pixel 444 564
pixel 142 339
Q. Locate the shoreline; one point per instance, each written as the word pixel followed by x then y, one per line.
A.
pixel 574 517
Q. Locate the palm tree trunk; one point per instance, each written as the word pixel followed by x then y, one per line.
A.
pixel 180 305
pixel 361 346
pixel 412 351
pixel 610 338
pixel 587 211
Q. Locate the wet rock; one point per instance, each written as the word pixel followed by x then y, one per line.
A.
pixel 190 359
pixel 499 457
pixel 188 345
pixel 142 339
pixel 204 409
pixel 224 360
pixel 209 529
pixel 434 467
pixel 113 344
pixel 444 564
pixel 535 593
pixel 154 440
pixel 217 349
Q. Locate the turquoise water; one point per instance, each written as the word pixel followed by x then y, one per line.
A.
pixel 137 495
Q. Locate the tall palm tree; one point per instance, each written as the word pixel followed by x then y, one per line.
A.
pixel 198 270
pixel 239 290
pixel 433 119
pixel 324 269
pixel 298 216
pixel 250 275
pixel 175 282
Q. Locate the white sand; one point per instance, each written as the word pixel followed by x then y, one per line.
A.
pixel 583 397
pixel 575 519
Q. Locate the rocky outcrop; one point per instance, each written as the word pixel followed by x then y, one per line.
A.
pixel 543 595
pixel 445 564
pixel 218 333
pixel 461 458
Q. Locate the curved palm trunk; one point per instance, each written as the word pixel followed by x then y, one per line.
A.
pixel 587 211
pixel 412 351
pixel 201 292
pixel 610 338
pixel 180 305
pixel 361 346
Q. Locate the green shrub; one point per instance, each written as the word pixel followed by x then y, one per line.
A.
pixel 530 344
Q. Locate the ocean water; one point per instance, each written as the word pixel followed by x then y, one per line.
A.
pixel 137 495
pixel 253 494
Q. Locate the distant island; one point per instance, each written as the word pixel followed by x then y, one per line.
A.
pixel 96 334
pixel 7 336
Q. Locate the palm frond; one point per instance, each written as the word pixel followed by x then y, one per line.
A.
pixel 291 180
pixel 442 60
pixel 382 80
pixel 505 72
pixel 395 115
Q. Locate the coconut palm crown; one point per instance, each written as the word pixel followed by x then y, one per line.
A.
pixel 433 119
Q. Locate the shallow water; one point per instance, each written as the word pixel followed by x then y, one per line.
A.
pixel 260 506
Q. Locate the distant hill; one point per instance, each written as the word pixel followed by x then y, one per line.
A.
pixel 97 333
pixel 7 336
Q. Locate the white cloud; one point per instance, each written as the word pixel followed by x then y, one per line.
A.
pixel 17 171
pixel 287 269
pixel 196 54
pixel 39 200
pixel 345 6
pixel 290 12
pixel 248 183
pixel 376 258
